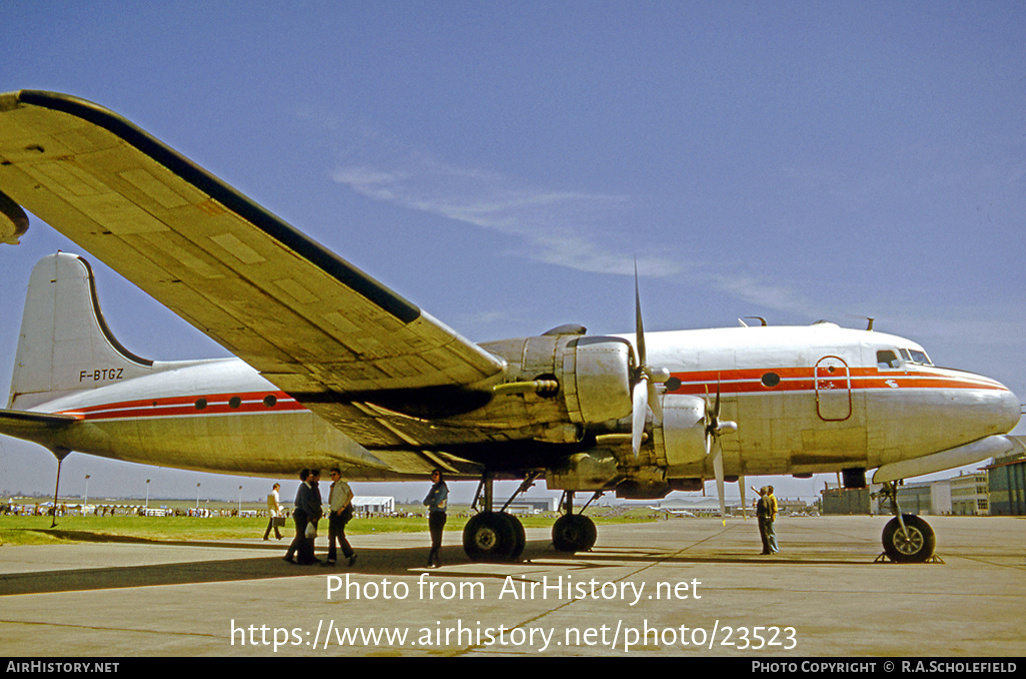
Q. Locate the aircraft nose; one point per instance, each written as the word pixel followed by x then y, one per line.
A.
pixel 1007 410
pixel 997 407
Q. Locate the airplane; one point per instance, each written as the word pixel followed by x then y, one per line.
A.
pixel 333 369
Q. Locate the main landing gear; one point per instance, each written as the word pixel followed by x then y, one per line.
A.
pixel 906 538
pixel 574 532
pixel 495 536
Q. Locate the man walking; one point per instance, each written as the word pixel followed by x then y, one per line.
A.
pixel 306 514
pixel 340 511
pixel 273 512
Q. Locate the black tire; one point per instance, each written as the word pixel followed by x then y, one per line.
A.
pixel 521 537
pixel 914 545
pixel 490 536
pixel 574 533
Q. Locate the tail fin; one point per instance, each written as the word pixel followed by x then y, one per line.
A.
pixel 65 345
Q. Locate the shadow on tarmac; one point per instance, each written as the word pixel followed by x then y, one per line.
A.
pixel 538 554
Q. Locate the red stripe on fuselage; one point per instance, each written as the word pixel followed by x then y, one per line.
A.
pixel 188 406
pixel 751 381
pixel 699 383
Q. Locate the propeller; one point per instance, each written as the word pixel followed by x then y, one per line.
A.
pixel 714 428
pixel 643 392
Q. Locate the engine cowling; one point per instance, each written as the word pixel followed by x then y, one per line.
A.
pixel 569 381
pixel 680 440
pixel 596 379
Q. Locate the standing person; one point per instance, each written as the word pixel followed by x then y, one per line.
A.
pixel 314 512
pixel 762 512
pixel 771 516
pixel 273 512
pixel 340 511
pixel 436 501
pixel 299 518
pixel 307 511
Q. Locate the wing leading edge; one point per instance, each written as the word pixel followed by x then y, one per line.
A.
pixel 310 322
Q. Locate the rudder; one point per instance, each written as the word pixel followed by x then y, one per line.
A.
pixel 65 344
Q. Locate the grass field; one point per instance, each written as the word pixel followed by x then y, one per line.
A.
pixel 37 530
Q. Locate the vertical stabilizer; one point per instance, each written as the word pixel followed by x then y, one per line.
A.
pixel 64 344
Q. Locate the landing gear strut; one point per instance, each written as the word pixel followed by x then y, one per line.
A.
pixel 495 536
pixel 574 532
pixel 906 538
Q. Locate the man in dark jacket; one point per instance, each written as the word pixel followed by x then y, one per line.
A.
pixel 437 501
pixel 307 511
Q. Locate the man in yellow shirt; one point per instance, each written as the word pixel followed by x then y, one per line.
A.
pixel 771 516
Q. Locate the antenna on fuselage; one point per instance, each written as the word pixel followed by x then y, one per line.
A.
pixel 762 321
pixel 869 321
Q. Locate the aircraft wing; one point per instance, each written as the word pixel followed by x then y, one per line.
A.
pixel 310 322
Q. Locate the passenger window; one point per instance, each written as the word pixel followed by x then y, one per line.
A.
pixel 886 359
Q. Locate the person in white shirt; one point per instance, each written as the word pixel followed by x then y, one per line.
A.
pixel 273 512
pixel 340 511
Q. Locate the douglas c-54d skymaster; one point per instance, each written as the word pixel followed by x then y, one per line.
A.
pixel 334 369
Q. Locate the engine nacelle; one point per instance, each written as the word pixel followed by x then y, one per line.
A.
pixel 592 376
pixel 596 379
pixel 681 438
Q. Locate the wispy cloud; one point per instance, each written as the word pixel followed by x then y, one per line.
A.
pixel 560 227
pixel 579 230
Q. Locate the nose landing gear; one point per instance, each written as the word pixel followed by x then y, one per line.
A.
pixel 906 538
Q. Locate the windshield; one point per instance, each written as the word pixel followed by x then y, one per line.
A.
pixel 888 358
pixel 916 356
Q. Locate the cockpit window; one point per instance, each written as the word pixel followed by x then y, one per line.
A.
pixel 885 358
pixel 916 356
pixel 920 357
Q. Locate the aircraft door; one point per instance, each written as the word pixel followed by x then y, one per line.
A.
pixel 833 389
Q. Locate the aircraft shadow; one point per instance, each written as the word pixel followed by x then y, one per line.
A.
pixel 371 561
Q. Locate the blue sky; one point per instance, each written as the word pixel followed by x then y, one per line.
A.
pixel 501 164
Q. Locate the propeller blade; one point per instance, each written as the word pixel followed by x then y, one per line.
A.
pixel 644 392
pixel 744 507
pixel 640 395
pixel 718 471
pixel 639 328
pixel 653 401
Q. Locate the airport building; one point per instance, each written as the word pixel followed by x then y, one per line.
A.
pixel 998 489
pixel 527 505
pixel 374 504
pixel 1007 483
pixel 846 501
pixel 970 494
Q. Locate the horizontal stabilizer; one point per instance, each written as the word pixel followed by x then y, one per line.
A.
pixel 39 428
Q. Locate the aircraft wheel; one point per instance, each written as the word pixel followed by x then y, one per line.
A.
pixel 913 545
pixel 521 537
pixel 492 536
pixel 574 533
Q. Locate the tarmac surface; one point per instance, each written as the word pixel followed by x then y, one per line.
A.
pixel 676 587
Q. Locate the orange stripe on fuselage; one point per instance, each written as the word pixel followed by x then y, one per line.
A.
pixel 699 383
pixel 750 381
pixel 181 406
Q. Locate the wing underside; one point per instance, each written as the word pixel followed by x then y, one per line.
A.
pixel 310 322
